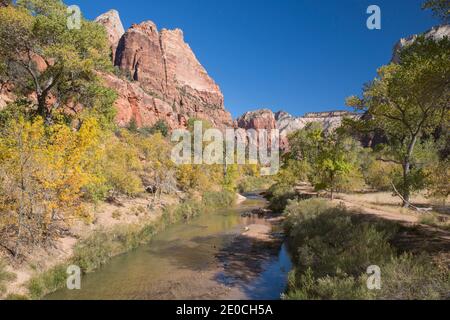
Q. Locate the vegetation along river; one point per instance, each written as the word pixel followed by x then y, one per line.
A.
pixel 226 254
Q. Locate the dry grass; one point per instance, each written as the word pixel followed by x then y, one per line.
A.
pixel 385 204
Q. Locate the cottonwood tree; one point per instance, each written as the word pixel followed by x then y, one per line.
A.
pixel 43 170
pixel 48 62
pixel 408 101
pixel 328 158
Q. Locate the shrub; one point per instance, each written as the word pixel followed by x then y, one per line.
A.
pixel 379 175
pixel 298 211
pixel 332 249
pixel 121 168
pixel 5 276
pixel 116 214
pixel 251 184
pixel 279 195
pixel 219 199
pixel 94 251
pixel 48 281
pixel 429 219
pixel 307 287
pixel 409 277
pixel 160 126
pixel 332 241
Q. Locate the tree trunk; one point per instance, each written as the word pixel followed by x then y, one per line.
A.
pixel 332 185
pixel 406 192
pixel 43 109
pixel 407 171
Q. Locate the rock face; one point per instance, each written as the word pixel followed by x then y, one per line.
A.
pixel 330 121
pixel 165 81
pixel 259 119
pixel 286 123
pixel 6 94
pixel 436 33
pixel 133 103
pixel 114 28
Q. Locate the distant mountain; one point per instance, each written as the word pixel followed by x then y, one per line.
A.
pixel 286 123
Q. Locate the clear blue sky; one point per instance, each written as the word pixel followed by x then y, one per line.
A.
pixel 294 55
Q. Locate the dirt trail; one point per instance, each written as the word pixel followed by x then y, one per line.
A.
pixel 413 237
pixel 388 215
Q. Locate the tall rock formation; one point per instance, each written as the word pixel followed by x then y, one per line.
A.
pixel 114 28
pixel 258 119
pixel 165 81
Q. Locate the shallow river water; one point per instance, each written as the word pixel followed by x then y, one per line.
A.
pixel 207 258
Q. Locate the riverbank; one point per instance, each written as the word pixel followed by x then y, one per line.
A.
pixel 115 229
pixel 231 253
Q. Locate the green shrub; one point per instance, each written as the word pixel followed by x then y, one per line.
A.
pixel 298 211
pixel 5 276
pixel 279 196
pixel 429 219
pixel 409 277
pixel 338 287
pixel 160 126
pixel 116 214
pixel 332 241
pixel 252 183
pixel 379 175
pixel 94 251
pixel 332 249
pixel 219 199
pixel 48 281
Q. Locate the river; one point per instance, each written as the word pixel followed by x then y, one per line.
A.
pixel 207 258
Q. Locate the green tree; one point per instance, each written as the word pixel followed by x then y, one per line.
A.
pixel 408 101
pixel 329 159
pixel 45 60
pixel 332 165
pixel 161 127
pixel 438 179
pixel 440 8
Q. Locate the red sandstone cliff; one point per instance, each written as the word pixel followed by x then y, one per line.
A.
pixel 163 80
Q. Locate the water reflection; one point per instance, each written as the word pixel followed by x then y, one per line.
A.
pixel 205 259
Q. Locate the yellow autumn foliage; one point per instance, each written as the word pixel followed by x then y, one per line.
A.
pixel 43 171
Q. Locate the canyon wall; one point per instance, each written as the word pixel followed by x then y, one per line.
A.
pixel 160 77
